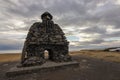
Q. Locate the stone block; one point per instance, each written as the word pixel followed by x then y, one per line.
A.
pixel 46 67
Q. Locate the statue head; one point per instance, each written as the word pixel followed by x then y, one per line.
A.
pixel 46 16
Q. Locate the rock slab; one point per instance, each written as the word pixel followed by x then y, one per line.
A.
pixel 46 67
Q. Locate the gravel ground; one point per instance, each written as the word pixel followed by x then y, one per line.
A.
pixel 90 69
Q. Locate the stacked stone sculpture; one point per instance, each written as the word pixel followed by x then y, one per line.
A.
pixel 45 35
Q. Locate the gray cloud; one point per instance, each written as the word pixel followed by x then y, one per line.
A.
pixel 94 29
pixel 76 17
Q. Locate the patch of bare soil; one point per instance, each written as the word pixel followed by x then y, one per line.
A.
pixel 89 69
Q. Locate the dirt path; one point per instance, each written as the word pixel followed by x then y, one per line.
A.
pixel 90 69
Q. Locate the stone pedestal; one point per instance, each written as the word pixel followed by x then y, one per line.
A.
pixel 46 67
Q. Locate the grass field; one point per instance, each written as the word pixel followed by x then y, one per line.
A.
pixel 99 54
pixel 8 57
pixel 109 56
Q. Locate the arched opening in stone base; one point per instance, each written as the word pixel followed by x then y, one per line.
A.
pixel 48 54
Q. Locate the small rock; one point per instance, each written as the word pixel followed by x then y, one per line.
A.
pixel 5 65
pixel 84 60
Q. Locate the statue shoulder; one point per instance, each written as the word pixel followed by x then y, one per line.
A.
pixel 56 25
pixel 58 29
pixel 36 23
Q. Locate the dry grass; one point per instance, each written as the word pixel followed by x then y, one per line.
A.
pixel 9 57
pixel 109 56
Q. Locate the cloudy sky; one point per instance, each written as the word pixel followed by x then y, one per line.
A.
pixel 86 23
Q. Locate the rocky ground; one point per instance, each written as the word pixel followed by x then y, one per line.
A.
pixel 89 69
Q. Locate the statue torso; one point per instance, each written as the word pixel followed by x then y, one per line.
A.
pixel 40 33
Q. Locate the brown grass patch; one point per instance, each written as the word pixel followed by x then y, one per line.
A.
pixel 99 54
pixel 9 57
pixel 109 56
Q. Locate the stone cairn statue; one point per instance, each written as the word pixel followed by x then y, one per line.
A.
pixel 45 35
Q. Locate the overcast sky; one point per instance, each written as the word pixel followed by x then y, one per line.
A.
pixel 86 23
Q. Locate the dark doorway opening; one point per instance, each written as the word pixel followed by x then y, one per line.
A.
pixel 48 54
